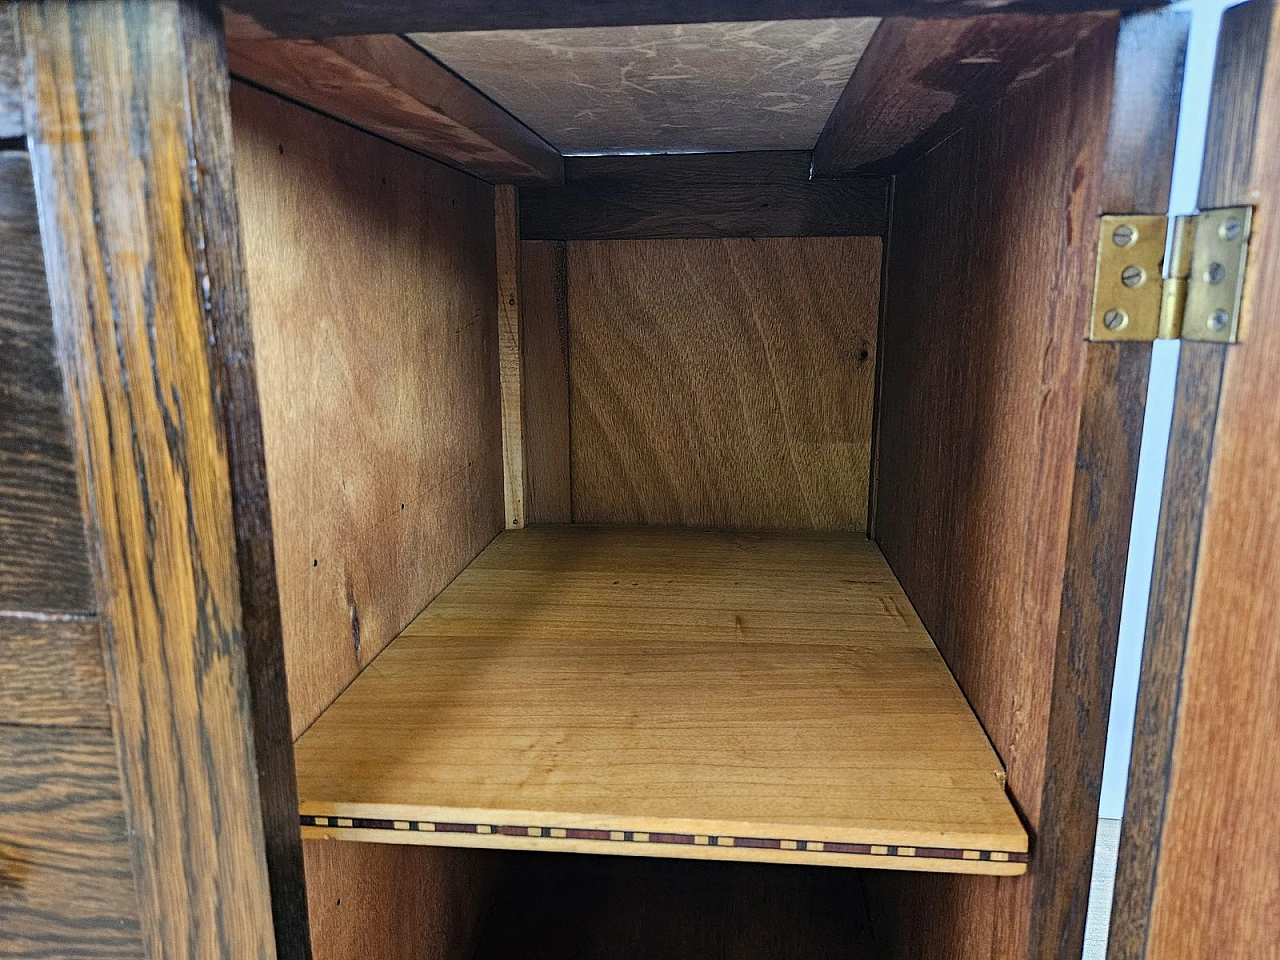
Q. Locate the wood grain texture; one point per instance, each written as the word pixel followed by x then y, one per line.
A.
pixel 748 166
pixel 43 561
pixel 1136 174
pixel 1202 783
pixel 978 442
pixel 506 229
pixel 396 902
pixel 591 680
pixel 66 882
pixel 1228 169
pixel 723 383
pixel 11 122
pixel 374 290
pixel 657 909
pixel 51 673
pixel 921 79
pixel 544 314
pixel 662 88
pixel 656 208
pixel 388 86
pixel 320 18
pixel 130 135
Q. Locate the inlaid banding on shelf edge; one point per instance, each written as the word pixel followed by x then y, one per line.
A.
pixel 638 836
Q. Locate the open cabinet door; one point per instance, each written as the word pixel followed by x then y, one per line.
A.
pixel 1197 873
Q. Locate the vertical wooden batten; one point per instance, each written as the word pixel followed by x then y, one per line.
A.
pixel 506 214
pixel 544 320
pixel 126 107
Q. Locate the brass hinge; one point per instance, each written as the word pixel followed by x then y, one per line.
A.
pixel 1195 295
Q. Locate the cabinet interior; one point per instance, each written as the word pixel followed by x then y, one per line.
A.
pixel 673 508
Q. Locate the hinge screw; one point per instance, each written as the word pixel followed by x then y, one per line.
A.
pixel 1114 319
pixel 1123 235
pixel 1219 319
pixel 1230 229
pixel 1132 276
pixel 1216 273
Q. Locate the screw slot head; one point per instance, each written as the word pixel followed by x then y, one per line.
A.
pixel 1133 276
pixel 1124 235
pixel 1219 319
pixel 1231 229
pixel 1216 273
pixel 1115 319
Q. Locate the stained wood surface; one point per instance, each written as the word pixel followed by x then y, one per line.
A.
pixel 978 448
pixel 388 86
pixel 11 124
pixel 657 208
pixel 1137 171
pixel 374 291
pixel 919 80
pixel 544 314
pixel 398 903
pixel 312 18
pixel 656 909
pixel 506 216
pixel 51 672
pixel 748 166
pixel 66 881
pixel 43 566
pixel 655 88
pixel 1202 783
pixel 723 383
pixel 131 142
pixel 638 691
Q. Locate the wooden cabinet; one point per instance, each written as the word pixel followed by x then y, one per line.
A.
pixel 497 549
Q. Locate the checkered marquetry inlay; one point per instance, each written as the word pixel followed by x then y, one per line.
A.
pixel 636 836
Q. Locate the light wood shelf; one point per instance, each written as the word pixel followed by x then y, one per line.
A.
pixel 660 692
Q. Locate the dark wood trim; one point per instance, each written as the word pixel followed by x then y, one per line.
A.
pixel 388 86
pixel 140 229
pixel 51 672
pixel 66 882
pixel 43 562
pixel 1136 175
pixel 653 206
pixel 11 124
pixel 331 18
pixel 748 166
pixel 1226 179
pixel 919 80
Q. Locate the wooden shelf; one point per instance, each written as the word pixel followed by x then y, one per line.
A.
pixel 661 692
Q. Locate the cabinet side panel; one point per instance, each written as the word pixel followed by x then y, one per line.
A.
pixel 398 902
pixel 372 275
pixel 723 383
pixel 989 273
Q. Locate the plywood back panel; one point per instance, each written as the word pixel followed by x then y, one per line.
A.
pixel 372 280
pixel 723 382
